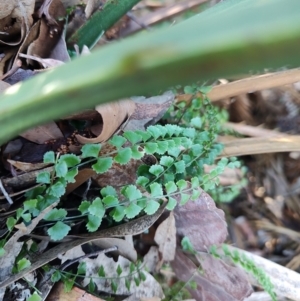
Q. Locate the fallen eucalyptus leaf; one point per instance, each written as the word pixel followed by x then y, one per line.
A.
pixel 165 237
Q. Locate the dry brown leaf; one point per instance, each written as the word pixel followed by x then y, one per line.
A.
pixel 202 222
pixel 215 280
pixel 71 254
pixel 46 63
pixel 82 176
pixel 15 19
pixel 151 259
pixel 7 60
pixel 27 166
pixel 125 249
pixel 119 175
pixel 42 133
pixel 165 237
pixel 31 36
pixel 148 110
pixel 50 29
pixel 113 115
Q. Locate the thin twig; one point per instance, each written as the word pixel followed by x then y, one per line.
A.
pixel 8 198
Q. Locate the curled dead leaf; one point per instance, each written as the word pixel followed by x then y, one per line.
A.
pixel 113 115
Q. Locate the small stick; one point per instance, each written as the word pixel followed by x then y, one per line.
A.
pixel 8 198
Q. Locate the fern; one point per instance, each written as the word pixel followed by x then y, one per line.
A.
pixel 239 258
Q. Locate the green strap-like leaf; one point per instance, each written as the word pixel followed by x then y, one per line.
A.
pixel 235 36
pixel 101 21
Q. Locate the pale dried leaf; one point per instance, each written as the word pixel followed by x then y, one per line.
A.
pixel 91 7
pixel 42 133
pixel 125 249
pixel 7 6
pixel 71 254
pixel 50 29
pixel 202 222
pixel 148 288
pixel 60 51
pixel 252 146
pixel 46 63
pixel 165 237
pixel 113 115
pixel 151 259
pixel 149 110
pixel 21 227
pixel 215 280
pixel 18 10
pixel 27 166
